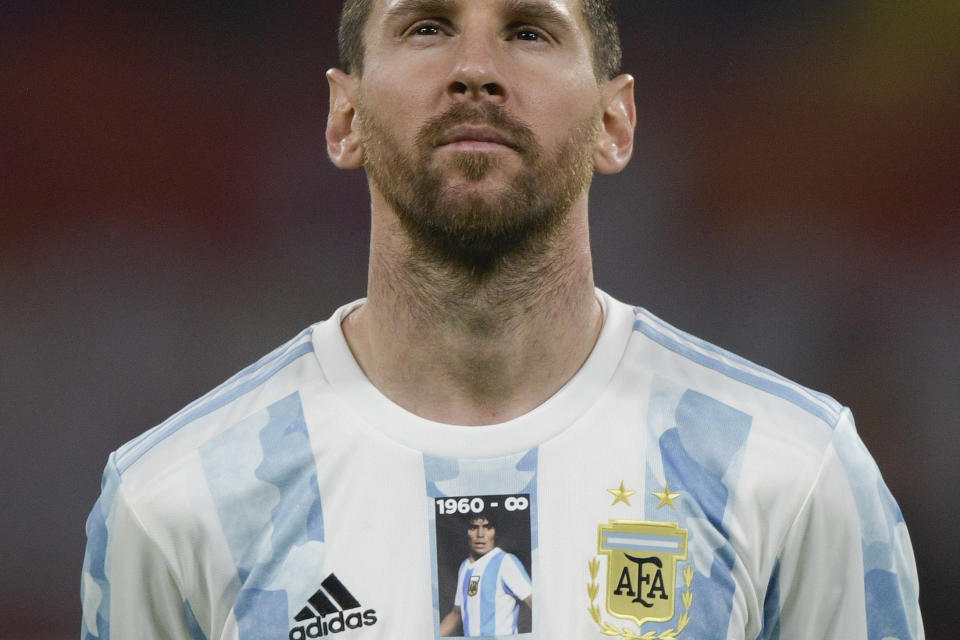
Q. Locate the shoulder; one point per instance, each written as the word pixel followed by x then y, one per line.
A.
pixel 509 557
pixel 717 368
pixel 512 563
pixel 170 446
pixel 781 448
pixel 705 387
pixel 730 422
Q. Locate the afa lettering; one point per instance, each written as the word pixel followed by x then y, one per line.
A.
pixel 652 578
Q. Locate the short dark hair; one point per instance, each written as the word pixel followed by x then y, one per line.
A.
pixel 471 518
pixel 599 15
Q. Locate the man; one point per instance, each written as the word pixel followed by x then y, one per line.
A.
pixel 673 489
pixel 491 584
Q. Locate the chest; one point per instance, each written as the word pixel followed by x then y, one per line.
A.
pixel 606 545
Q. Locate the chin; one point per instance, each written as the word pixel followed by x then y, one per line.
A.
pixel 481 168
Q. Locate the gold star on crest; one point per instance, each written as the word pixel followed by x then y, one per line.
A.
pixel 665 497
pixel 621 495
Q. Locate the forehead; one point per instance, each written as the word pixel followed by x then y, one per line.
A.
pixel 476 522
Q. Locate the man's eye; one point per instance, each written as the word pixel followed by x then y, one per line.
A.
pixel 527 34
pixel 426 30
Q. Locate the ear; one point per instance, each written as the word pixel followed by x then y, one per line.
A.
pixel 615 144
pixel 343 136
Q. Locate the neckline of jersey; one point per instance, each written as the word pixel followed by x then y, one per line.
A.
pixel 377 412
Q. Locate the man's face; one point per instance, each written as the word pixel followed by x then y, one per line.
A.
pixel 482 537
pixel 478 120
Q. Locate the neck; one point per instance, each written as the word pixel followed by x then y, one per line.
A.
pixel 474 556
pixel 459 349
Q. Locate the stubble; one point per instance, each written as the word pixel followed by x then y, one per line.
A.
pixel 476 233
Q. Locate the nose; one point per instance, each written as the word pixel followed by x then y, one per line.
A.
pixel 475 75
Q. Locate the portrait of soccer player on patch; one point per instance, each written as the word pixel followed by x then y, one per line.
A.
pixel 489 592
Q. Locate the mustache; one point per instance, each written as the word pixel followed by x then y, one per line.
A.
pixel 516 132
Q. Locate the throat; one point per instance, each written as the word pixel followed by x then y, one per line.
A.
pixel 477 361
pixel 457 349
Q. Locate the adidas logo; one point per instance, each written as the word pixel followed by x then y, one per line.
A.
pixel 332 609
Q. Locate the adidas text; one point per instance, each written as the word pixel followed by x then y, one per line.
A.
pixel 332 609
pixel 322 627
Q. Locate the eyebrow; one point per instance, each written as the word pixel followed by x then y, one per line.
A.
pixel 408 8
pixel 525 10
pixel 516 10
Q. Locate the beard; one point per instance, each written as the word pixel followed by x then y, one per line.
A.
pixel 461 226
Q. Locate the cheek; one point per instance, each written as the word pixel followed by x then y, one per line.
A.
pixel 555 114
pixel 553 81
pixel 406 90
pixel 397 116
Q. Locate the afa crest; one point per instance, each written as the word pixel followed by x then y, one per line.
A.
pixel 641 582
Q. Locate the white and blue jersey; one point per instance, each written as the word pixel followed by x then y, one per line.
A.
pixel 489 592
pixel 669 489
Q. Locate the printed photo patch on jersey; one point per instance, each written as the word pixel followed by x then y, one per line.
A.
pixel 482 514
pixel 483 547
pixel 636 576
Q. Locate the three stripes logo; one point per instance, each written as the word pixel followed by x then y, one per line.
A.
pixel 332 609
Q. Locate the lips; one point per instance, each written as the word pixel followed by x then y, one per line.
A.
pixel 481 135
